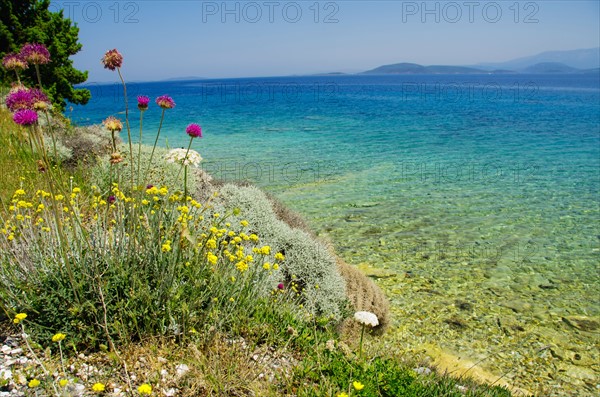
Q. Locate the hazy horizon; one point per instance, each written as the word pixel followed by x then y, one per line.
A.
pixel 168 39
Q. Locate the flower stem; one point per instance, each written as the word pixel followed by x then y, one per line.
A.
pixel 185 158
pixel 362 333
pixel 140 147
pixel 162 117
pixel 127 124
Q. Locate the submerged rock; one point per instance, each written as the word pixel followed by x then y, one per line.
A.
pixel 582 323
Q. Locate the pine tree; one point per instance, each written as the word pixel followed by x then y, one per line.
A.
pixel 30 21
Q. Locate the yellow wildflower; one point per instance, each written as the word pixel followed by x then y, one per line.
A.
pixel 275 266
pixel 212 258
pixel 266 266
pixel 19 317
pixel 63 382
pixel 166 247
pixel 342 394
pixel 98 387
pixel 20 192
pixel 279 256
pixel 58 337
pixel 244 223
pixel 266 250
pixel 145 389
pixel 357 385
pixel 211 244
pixel 242 266
pixel 253 237
pixel 34 383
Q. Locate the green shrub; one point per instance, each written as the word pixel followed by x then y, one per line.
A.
pixel 122 267
pixel 309 267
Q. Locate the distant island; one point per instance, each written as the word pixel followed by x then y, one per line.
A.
pixel 585 61
pixel 538 68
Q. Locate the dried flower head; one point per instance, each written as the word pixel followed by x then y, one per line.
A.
pixel 116 158
pixel 35 53
pixel 113 124
pixel 143 101
pixel 25 117
pixel 165 102
pixel 112 59
pixel 14 62
pixel 366 318
pixel 179 156
pixel 194 130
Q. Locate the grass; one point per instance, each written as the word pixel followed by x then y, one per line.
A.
pixel 169 293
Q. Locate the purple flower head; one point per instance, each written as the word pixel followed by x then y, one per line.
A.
pixel 112 59
pixel 24 98
pixel 143 101
pixel 111 199
pixel 19 99
pixel 35 53
pixel 14 62
pixel 165 102
pixel 194 130
pixel 25 117
pixel 149 186
pixel 280 286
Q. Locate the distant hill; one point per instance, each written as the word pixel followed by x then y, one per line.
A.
pixel 588 58
pixel 413 68
pixel 550 68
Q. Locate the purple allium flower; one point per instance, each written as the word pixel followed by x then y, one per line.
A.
pixel 24 98
pixel 112 59
pixel 143 101
pixel 111 199
pixel 165 102
pixel 194 130
pixel 35 53
pixel 18 99
pixel 149 186
pixel 14 62
pixel 280 286
pixel 25 117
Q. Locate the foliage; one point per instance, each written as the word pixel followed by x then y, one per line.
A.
pixel 124 267
pixel 310 269
pixel 23 21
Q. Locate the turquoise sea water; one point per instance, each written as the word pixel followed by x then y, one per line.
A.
pixel 475 199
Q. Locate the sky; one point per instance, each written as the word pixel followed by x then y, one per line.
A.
pixel 163 39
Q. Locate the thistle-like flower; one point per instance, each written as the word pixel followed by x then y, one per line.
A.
pixel 143 102
pixel 179 156
pixel 112 59
pixel 165 102
pixel 35 53
pixel 194 130
pixel 25 98
pixel 113 124
pixel 25 117
pixel 14 62
pixel 116 158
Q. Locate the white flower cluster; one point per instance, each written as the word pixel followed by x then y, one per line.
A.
pixel 179 156
pixel 366 318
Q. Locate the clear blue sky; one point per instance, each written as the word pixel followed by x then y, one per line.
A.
pixel 162 39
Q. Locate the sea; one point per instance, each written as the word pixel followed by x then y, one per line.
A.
pixel 472 200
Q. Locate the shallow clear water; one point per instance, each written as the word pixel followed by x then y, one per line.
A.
pixel 477 195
